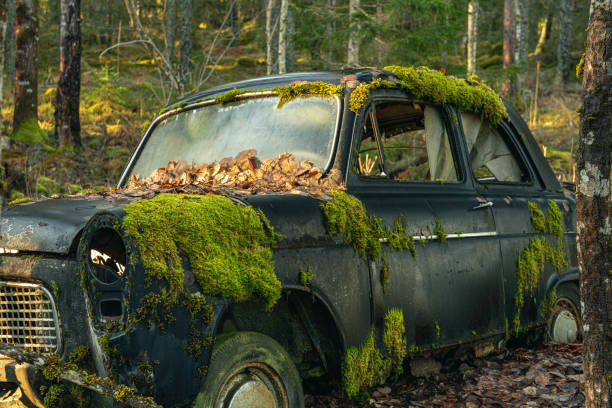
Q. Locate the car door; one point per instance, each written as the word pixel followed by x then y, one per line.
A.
pixel 407 168
pixel 504 174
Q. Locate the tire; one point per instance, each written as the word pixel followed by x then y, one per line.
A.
pixel 249 369
pixel 565 324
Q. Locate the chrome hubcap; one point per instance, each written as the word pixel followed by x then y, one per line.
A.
pixel 565 328
pixel 252 385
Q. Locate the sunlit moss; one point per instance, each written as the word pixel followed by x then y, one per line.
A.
pixel 433 86
pixel 290 92
pixel 547 305
pixel 363 367
pixel 439 231
pixel 20 201
pixel 306 277
pixel 228 246
pixel 580 67
pixel 538 220
pixel 395 340
pixel 359 96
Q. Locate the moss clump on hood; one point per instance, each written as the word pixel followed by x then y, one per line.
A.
pixel 290 92
pixel 228 246
pixel 433 86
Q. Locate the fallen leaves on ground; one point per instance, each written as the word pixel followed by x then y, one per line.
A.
pixel 550 376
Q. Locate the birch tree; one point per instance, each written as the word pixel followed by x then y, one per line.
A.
pixel 67 123
pixel 566 24
pixel 472 34
pixel 3 29
pixel 282 36
pixel 26 51
pixel 522 30
pixel 594 240
pixel 352 59
pixel 272 36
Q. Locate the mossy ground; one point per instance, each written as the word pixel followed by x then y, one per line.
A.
pixel 533 258
pixel 228 247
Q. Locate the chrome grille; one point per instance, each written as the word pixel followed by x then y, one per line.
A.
pixel 28 317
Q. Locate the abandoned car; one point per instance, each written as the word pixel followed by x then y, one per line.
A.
pixel 286 228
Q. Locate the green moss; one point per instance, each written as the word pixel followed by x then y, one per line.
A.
pixel 439 231
pixel 306 277
pixel 399 239
pixel 345 215
pixel 53 396
pixel 20 201
pixel 395 340
pixel 437 328
pixel 532 259
pixel 201 313
pixel 29 133
pixel 228 246
pixel 433 86
pixel 538 221
pixel 290 92
pixel 384 272
pixel 47 186
pixel 55 290
pixel 363 367
pixel 580 67
pixel 163 110
pixel 359 96
pixel 546 307
pixel 78 355
pixel 230 96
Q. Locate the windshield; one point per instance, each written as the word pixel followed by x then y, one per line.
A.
pixel 303 127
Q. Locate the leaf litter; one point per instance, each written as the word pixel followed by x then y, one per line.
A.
pixel 549 376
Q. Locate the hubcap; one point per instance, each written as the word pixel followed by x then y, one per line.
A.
pixel 566 322
pixel 252 385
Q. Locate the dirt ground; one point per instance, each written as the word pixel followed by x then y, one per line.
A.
pixel 547 376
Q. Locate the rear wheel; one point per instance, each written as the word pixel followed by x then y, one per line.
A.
pixel 565 325
pixel 251 370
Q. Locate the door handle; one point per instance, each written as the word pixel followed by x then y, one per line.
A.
pixel 483 205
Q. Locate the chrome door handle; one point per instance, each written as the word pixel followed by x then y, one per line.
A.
pixel 483 205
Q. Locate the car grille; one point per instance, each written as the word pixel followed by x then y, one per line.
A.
pixel 28 317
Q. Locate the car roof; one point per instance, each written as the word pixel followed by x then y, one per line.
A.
pixel 272 81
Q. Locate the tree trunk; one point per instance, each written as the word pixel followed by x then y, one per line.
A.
pixel 26 83
pixel 235 22
pixel 170 29
pixel 352 59
pixel 290 43
pixel 3 29
pixel 9 51
pixel 282 37
pixel 67 123
pixel 566 24
pixel 522 30
pixel 380 15
pixel 186 44
pixel 330 28
pixel 272 37
pixel 542 27
pixel 593 208
pixel 472 35
pixel 509 88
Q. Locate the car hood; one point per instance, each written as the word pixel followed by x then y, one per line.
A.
pixel 49 225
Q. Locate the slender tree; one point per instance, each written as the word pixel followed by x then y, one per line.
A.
pixel 26 83
pixel 472 35
pixel 272 36
pixel 67 123
pixel 186 43
pixel 352 59
pixel 235 21
pixel 282 36
pixel 330 28
pixel 3 28
pixel 509 87
pixel 522 30
pixel 593 208
pixel 170 29
pixel 566 24
pixel 9 51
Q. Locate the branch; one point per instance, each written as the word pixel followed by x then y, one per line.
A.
pixel 123 43
pixel 104 386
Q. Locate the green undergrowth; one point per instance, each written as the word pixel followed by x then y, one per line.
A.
pixel 306 277
pixel 434 86
pixel 539 251
pixel 227 245
pixel 365 366
pixel 29 132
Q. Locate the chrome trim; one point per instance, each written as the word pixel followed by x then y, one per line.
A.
pixel 158 119
pixel 434 237
pixel 5 321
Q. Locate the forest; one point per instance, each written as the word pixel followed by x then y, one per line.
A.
pixel 137 56
pixel 81 81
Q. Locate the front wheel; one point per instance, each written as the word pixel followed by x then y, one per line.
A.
pixel 250 370
pixel 565 325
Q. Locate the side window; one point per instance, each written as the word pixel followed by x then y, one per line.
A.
pixel 412 141
pixel 491 158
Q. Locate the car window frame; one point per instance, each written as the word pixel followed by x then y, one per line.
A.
pixel 457 144
pixel 506 132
